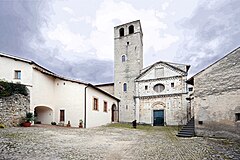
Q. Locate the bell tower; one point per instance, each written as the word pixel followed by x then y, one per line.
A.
pixel 128 61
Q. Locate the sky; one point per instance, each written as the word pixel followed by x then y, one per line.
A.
pixel 74 38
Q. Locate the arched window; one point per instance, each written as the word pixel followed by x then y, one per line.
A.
pixel 125 87
pixel 158 88
pixel 123 58
pixel 121 32
pixel 131 29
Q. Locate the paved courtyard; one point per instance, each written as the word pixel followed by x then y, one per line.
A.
pixel 111 143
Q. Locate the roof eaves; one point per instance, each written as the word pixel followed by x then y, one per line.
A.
pixel 89 84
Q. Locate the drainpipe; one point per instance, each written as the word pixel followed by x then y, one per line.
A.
pixel 85 106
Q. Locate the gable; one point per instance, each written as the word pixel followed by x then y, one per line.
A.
pixel 160 70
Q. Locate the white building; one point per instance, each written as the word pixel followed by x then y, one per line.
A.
pixel 57 99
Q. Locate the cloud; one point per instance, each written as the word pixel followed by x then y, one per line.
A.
pixel 211 32
pixel 68 10
pixel 20 23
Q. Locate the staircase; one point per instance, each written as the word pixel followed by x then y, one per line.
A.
pixel 188 130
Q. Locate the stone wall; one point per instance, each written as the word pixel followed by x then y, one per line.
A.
pixel 13 108
pixel 216 98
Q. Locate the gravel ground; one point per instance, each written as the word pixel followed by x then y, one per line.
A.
pixel 53 143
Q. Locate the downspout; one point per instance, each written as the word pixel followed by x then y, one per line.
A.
pixel 85 106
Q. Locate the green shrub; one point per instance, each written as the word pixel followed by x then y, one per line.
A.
pixel 8 89
pixel 53 123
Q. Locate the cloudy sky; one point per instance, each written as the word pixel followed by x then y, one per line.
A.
pixel 74 38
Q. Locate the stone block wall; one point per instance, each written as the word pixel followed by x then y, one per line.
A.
pixel 216 98
pixel 13 108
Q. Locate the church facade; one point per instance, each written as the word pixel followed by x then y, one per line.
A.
pixel 153 95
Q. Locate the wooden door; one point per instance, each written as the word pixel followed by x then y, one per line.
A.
pixel 62 115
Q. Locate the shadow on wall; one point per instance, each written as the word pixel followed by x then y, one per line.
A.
pixel 43 114
pixel 216 129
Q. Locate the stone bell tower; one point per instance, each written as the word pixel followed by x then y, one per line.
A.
pixel 128 61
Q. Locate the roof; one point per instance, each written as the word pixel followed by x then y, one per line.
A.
pixel 127 23
pixel 89 84
pixel 173 65
pixel 104 84
pixel 50 73
pixel 191 80
pixel 22 60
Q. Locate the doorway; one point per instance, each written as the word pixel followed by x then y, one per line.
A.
pixel 158 117
pixel 114 113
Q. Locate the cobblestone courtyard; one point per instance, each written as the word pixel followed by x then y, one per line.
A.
pixel 47 142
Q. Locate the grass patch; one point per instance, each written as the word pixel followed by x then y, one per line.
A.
pixel 143 127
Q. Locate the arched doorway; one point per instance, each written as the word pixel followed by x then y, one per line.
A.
pixel 114 113
pixel 159 114
pixel 43 114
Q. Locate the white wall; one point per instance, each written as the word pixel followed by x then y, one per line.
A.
pixel 69 96
pixel 42 90
pixel 97 118
pixel 8 67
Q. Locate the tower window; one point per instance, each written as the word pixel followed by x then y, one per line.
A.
pixel 121 32
pixel 123 58
pixel 17 74
pixel 172 85
pixel 131 29
pixel 125 87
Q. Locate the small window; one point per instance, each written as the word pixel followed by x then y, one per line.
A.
pixel 17 74
pixel 146 87
pixel 121 32
pixel 237 116
pixel 123 58
pixel 172 85
pixel 125 87
pixel 126 106
pixel 131 29
pixel 158 88
pixel 127 43
pixel 190 89
pixel 104 106
pixel 95 104
pixel 200 122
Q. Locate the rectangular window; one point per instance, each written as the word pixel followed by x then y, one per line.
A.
pixel 17 74
pixel 104 106
pixel 125 87
pixel 62 115
pixel 237 116
pixel 172 85
pixel 146 87
pixel 190 89
pixel 159 72
pixel 95 104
